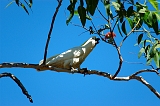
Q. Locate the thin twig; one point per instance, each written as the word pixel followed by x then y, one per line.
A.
pixel 114 25
pixel 14 78
pixel 79 26
pixel 89 72
pixel 102 15
pixel 146 70
pixel 87 30
pixel 139 63
pixel 129 33
pixel 97 31
pixel 50 31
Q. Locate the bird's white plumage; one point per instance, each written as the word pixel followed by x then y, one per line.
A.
pixel 73 57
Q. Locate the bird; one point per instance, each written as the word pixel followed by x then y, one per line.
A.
pixel 72 58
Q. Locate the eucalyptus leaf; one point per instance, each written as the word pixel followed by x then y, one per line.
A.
pixel 130 11
pixel 91 6
pixel 131 23
pixel 124 28
pixel 142 50
pixel 82 14
pixel 154 3
pixel 140 38
pixel 156 59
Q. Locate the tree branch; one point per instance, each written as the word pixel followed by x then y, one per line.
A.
pixel 89 72
pixel 50 31
pixel 14 78
pixel 120 60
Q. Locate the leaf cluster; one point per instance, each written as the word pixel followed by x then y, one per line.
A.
pixel 82 11
pixel 120 13
pixel 150 49
pixel 29 3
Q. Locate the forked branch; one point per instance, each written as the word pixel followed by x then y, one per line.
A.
pixel 89 72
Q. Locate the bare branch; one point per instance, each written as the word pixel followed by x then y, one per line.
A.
pixel 88 72
pixel 50 31
pixel 120 60
pixel 139 78
pixel 14 78
pixel 118 48
pixel 146 70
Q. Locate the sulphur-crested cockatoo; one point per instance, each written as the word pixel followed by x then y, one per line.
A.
pixel 74 57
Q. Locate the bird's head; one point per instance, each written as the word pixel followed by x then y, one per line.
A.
pixel 96 40
pixel 93 41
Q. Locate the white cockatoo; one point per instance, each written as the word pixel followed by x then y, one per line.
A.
pixel 74 57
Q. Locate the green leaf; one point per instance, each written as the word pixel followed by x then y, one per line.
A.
pixel 157 46
pixel 156 59
pixel 82 14
pixel 70 8
pixel 17 2
pixel 69 19
pixel 153 51
pixel 91 6
pixel 116 6
pixel 130 11
pixel 155 23
pixel 142 50
pixel 143 10
pixel 154 3
pixel 143 42
pixel 140 38
pixel 147 49
pixel 88 17
pixel 130 23
pixel 119 29
pixel 123 27
pixel 29 5
pixel 148 19
pixel 107 7
pixel 149 61
pixel 30 1
pixel 81 3
pixel 23 6
pixel 76 13
pixel 140 6
pixel 121 19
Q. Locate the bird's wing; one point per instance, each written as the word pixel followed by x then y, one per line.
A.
pixel 69 54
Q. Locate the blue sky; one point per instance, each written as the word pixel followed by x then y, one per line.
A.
pixel 22 39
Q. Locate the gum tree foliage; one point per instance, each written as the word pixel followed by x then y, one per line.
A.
pixel 136 13
pixel 140 19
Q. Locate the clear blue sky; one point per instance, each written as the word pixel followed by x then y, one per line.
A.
pixel 22 39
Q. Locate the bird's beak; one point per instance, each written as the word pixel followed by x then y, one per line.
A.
pixel 97 40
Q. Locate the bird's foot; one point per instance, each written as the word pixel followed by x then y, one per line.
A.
pixel 85 71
